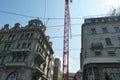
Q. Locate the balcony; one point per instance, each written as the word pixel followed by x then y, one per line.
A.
pixel 15 64
pixel 96 45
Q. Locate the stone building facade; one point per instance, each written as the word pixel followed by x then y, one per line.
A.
pixel 100 52
pixel 57 75
pixel 78 75
pixel 25 52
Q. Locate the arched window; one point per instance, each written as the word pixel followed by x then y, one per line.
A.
pixel 13 76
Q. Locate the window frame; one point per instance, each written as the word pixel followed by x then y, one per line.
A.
pixel 104 30
pixel 111 53
pixel 98 54
pixel 119 40
pixel 116 29
pixel 93 30
pixel 108 41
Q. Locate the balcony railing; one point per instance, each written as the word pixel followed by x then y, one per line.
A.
pixel 96 45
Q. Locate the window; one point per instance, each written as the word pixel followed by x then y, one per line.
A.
pixel 22 36
pixel 7 47
pixel 2 59
pixel 116 29
pixel 13 76
pixel 93 30
pixel 20 59
pixel 104 30
pixel 111 73
pixel 96 73
pixel 24 45
pixel 14 59
pixel 1 37
pixel 18 46
pixel 29 45
pixel 119 40
pixel 25 59
pixel 108 41
pixel 11 37
pixel 27 35
pixel 111 53
pixel 31 36
pixel 97 53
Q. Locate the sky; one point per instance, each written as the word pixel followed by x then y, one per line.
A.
pixel 51 12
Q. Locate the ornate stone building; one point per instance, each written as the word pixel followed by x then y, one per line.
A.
pixel 25 52
pixel 100 53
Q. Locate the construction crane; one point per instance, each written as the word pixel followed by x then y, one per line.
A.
pixel 65 70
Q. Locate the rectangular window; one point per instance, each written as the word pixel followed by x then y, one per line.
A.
pixel 111 53
pixel 97 53
pixel 13 37
pixel 24 45
pixel 31 36
pixel 10 37
pixel 96 73
pixel 0 59
pixel 108 41
pixel 93 30
pixel 1 37
pixel 7 47
pixel 104 30
pixel 25 59
pixel 119 40
pixel 18 46
pixel 27 35
pixel 22 36
pixel 20 59
pixel 116 29
pixel 29 45
pixel 14 59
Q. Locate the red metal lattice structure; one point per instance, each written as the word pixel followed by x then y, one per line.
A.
pixel 65 71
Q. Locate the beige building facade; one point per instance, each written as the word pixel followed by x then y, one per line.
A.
pixel 25 52
pixel 100 53
pixel 57 74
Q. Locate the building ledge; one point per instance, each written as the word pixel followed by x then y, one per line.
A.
pixel 101 60
pixel 20 50
pixel 12 64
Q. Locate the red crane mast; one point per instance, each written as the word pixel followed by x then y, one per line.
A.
pixel 65 70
